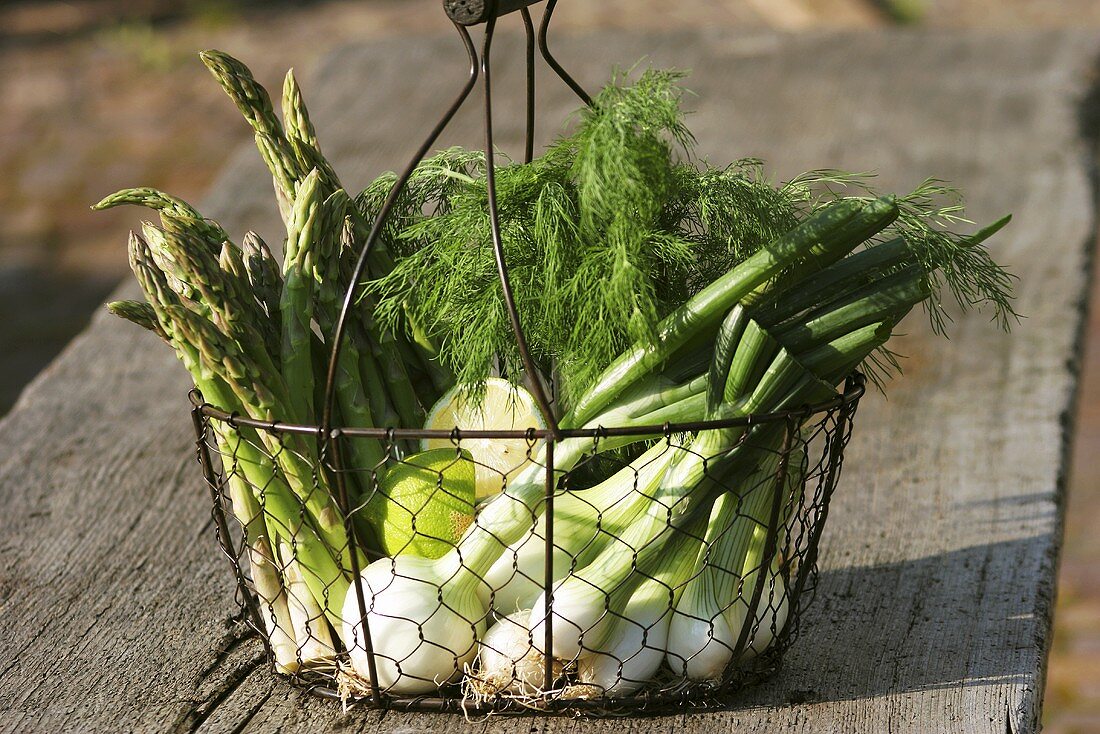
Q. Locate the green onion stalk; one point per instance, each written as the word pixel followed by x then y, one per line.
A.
pixel 614 505
pixel 696 477
pixel 405 665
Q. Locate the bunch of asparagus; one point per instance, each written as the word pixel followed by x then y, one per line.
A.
pixel 244 324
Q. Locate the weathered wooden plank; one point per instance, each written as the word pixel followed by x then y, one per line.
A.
pixel 933 612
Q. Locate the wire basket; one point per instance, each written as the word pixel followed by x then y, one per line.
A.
pixel 642 646
pixel 787 502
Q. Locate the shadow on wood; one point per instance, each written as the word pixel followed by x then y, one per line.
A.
pixel 845 652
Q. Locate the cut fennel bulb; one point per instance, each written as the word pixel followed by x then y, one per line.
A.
pixel 505 407
pixel 424 503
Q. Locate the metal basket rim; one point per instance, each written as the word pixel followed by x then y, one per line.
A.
pixel 853 391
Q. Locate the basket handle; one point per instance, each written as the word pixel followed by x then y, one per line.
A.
pixel 328 436
pixel 473 12
pixel 490 9
pixel 380 221
pixel 534 384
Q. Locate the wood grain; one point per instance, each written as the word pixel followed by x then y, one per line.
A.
pixel 934 603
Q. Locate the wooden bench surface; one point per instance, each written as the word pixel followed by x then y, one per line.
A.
pixel 933 612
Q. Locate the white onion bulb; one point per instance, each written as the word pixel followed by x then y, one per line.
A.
pixel 702 639
pixel 635 644
pixel 517 577
pixel 508 662
pixel 425 620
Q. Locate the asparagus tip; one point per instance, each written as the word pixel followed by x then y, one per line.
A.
pixel 107 202
pixel 216 60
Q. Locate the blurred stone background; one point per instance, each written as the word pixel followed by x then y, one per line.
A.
pixel 102 94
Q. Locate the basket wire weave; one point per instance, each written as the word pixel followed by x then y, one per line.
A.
pixel 798 479
pixel 808 469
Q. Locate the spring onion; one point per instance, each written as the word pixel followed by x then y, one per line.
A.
pixel 507 662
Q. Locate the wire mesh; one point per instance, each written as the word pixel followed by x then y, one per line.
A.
pixel 660 578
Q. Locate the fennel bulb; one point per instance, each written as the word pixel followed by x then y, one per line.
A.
pixel 518 576
pixel 711 614
pixel 585 522
pixel 503 406
pixel 701 648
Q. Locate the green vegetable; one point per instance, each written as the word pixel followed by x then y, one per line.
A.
pixel 653 289
pixel 425 503
pixel 604 235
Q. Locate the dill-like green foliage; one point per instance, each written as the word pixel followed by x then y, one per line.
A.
pixel 959 263
pixel 604 234
pixel 730 213
pixel 613 227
